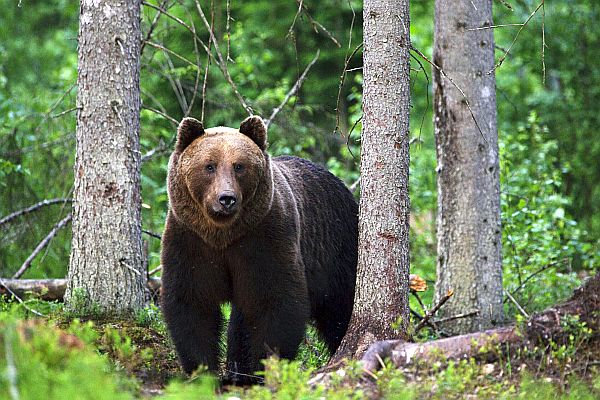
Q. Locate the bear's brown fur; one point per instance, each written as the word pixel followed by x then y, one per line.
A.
pixel 275 237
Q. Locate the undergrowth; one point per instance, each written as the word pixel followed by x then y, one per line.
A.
pixel 55 358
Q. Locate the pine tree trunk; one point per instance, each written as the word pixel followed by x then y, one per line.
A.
pixel 381 301
pixel 468 226
pixel 106 267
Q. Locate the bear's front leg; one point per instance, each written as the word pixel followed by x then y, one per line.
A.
pixel 193 287
pixel 195 331
pixel 269 321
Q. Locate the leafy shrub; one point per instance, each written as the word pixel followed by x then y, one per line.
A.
pixel 543 246
pixel 42 362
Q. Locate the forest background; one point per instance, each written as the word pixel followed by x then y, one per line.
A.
pixel 547 119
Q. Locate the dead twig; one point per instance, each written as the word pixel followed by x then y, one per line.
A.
pixel 434 310
pixel 316 25
pixel 42 245
pixel 205 81
pixel 516 303
pixel 443 73
pixel 290 32
pixel 481 28
pixel 155 270
pixel 539 271
pixel 152 234
pixel 505 4
pixel 35 207
pixel 162 114
pixel 503 57
pixel 167 50
pixel 341 84
pixel 457 316
pixel 292 91
pixel 197 80
pixel 39 314
pixel 152 26
pixel 426 93
pixel 222 64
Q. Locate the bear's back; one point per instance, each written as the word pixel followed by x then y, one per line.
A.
pixel 328 226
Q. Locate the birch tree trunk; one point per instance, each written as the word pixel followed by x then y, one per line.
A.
pixel 468 222
pixel 106 267
pixel 381 300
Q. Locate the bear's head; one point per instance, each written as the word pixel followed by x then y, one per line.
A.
pixel 220 178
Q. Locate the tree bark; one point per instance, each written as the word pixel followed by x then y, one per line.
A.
pixel 468 222
pixel 106 265
pixel 381 300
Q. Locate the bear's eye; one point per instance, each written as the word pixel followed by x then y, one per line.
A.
pixel 238 167
pixel 210 168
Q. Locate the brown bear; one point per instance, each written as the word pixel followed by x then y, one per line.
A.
pixel 275 237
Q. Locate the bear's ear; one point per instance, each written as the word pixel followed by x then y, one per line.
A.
pixel 255 129
pixel 189 129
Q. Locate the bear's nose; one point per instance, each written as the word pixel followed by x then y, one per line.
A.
pixel 227 200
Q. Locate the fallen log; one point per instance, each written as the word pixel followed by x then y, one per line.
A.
pixel 51 289
pixel 541 327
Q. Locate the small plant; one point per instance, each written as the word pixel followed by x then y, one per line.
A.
pixel 80 305
pixel 151 317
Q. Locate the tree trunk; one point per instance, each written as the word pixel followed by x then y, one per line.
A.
pixel 381 301
pixel 468 222
pixel 106 266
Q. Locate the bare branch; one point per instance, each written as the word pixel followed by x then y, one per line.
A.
pixel 39 314
pixel 42 245
pixel 543 44
pixel 167 50
pixel 340 85
pixel 482 28
pixel 292 91
pixel 60 114
pixel 197 80
pixel 506 4
pixel 501 60
pixel 316 25
pixel 291 30
pixel 219 60
pixel 455 317
pixel 48 289
pixel 222 64
pixel 443 73
pixel 227 31
pixel 205 81
pixel 516 303
pixel 35 207
pixel 155 270
pixel 432 312
pixel 426 93
pixel 152 234
pixel 539 271
pixel 158 150
pixel 152 26
pixel 352 188
pixel 162 114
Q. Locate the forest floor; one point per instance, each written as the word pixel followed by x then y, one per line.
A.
pixel 567 370
pixel 139 361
